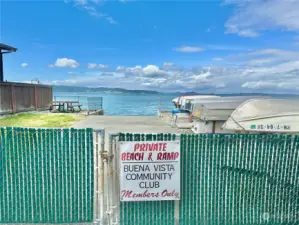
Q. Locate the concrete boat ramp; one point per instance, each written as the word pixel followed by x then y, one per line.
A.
pixel 128 124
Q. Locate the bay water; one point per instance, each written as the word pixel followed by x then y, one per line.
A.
pixel 135 104
pixel 123 104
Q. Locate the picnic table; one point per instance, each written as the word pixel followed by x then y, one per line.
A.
pixel 70 105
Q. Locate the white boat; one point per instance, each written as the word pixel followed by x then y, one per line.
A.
pixel 265 115
pixel 197 103
pixel 210 115
pixel 183 100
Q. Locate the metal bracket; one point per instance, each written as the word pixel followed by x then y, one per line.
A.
pixel 105 156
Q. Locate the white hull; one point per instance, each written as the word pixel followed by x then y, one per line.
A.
pixel 265 115
pixel 280 123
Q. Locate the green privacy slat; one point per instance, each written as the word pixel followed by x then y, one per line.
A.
pixel 10 172
pixel 60 176
pixel 90 165
pixel 230 184
pixel 75 174
pixel 1 170
pixel 34 173
pixel 66 172
pixel 36 176
pixel 76 162
pixel 81 174
pixel 226 179
pixel 41 173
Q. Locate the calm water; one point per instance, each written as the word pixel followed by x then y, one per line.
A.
pixel 123 104
pixel 132 104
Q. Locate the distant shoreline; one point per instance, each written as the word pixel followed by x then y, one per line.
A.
pixel 76 89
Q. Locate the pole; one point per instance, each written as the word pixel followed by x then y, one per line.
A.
pixel 35 97
pixel 12 98
pixel 1 66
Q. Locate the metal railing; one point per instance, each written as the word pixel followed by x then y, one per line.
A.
pixel 88 103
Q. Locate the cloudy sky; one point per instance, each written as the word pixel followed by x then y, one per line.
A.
pixel 211 45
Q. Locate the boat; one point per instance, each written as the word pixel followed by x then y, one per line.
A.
pixel 265 116
pixel 181 101
pixel 181 118
pixel 198 102
pixel 211 115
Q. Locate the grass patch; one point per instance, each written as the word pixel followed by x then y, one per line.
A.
pixel 46 120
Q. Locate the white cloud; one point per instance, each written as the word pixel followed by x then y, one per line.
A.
pixel 96 1
pixel 168 64
pixel 96 66
pixel 263 70
pixel 227 48
pixel 24 65
pixel 272 56
pixel 254 16
pixel 65 62
pixel 92 8
pixel 111 20
pixel 189 49
pixel 218 59
pixel 81 2
pixel 259 84
pixel 273 85
pixel 150 71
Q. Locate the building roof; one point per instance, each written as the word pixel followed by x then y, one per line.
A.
pixel 7 48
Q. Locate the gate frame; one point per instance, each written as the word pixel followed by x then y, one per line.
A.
pixel 99 174
pixel 113 194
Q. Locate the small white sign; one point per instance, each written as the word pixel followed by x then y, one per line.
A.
pixel 149 171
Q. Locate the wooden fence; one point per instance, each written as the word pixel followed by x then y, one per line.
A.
pixel 22 97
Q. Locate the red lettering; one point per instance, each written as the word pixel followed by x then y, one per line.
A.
pixel 164 146
pixel 141 155
pixel 159 156
pixel 136 147
pixel 142 147
pixel 166 193
pixel 160 146
pixel 123 156
pixel 168 155
pixel 126 194
pixel 132 156
pixel 150 147
pixel 146 194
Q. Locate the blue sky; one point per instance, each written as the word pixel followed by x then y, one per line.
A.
pixel 222 46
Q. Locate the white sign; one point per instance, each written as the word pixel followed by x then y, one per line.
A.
pixel 149 171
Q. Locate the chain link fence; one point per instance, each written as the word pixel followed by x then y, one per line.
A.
pixel 226 179
pixel 46 175
pixel 65 176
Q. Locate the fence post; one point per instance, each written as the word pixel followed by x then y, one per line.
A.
pixel 35 97
pixel 12 98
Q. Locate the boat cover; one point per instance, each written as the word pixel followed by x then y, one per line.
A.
pixel 273 115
